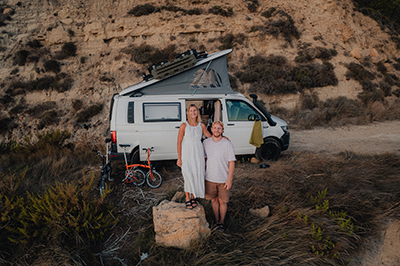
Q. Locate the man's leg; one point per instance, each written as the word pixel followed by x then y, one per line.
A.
pixel 223 206
pixel 215 207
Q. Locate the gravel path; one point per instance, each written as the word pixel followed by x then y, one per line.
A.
pixel 375 138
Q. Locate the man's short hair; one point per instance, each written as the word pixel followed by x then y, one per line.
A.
pixel 219 123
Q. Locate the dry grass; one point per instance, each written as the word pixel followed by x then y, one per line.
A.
pixel 363 189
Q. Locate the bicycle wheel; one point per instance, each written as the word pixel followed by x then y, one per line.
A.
pixel 135 176
pixel 154 182
pixel 139 176
pixel 102 184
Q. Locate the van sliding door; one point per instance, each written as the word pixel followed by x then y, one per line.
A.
pixel 161 122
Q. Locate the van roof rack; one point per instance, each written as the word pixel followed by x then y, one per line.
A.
pixel 168 68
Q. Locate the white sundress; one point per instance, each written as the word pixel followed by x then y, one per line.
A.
pixel 193 166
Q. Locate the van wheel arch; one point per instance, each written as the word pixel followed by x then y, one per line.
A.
pixel 135 156
pixel 270 150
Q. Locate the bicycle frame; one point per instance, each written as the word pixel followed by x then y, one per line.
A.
pixel 105 166
pixel 146 165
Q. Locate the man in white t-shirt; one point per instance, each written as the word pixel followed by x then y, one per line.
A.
pixel 220 164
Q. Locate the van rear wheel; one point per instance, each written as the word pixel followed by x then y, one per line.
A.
pixel 270 150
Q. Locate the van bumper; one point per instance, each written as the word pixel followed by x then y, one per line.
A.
pixel 285 140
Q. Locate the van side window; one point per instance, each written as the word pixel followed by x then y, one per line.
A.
pixel 158 112
pixel 131 117
pixel 242 111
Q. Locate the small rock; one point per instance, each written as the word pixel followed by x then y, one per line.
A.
pixel 263 212
pixel 254 160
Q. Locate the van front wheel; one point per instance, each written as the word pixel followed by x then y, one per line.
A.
pixel 269 151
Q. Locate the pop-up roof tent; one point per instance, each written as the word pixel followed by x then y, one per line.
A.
pixel 207 75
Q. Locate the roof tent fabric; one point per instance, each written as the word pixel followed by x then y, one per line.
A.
pixel 208 76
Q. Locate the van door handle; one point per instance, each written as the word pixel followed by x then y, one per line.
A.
pixel 177 126
pixel 230 124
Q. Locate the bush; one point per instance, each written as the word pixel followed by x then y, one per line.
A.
pixel 386 88
pixel 282 24
pixel 146 54
pixel 217 10
pixel 77 104
pixel 5 124
pixel 229 40
pixel 368 85
pixel 39 109
pixel 143 10
pixel 381 67
pixel 368 97
pixel 268 13
pixel 358 72
pixel 309 101
pixel 20 57
pixel 52 65
pixel 47 119
pixel 69 48
pixel 310 54
pixel 85 115
pixel 34 44
pixel 253 5
pixel 272 75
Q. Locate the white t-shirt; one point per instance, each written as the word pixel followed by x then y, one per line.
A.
pixel 218 155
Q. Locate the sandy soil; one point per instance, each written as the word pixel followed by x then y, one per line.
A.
pixel 374 138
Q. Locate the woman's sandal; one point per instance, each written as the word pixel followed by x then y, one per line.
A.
pixel 193 202
pixel 189 204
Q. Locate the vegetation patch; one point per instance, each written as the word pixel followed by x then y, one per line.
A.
pixel 218 10
pixel 279 24
pixel 20 57
pixel 146 54
pixel 229 40
pixel 273 75
pixel 86 114
pixel 358 72
pixel 309 54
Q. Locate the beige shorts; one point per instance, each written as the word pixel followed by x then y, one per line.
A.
pixel 214 190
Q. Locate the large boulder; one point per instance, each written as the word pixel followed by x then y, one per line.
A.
pixel 176 226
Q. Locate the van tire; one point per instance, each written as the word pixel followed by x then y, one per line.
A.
pixel 135 157
pixel 270 150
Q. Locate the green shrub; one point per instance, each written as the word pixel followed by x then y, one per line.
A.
pixel 310 54
pixel 282 24
pixel 69 48
pixel 65 214
pixel 20 57
pixel 309 101
pixel 52 65
pixel 85 115
pixel 218 10
pixel 143 10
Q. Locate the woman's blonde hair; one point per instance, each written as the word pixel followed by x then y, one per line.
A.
pixel 198 113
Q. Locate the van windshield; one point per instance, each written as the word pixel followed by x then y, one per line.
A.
pixel 242 111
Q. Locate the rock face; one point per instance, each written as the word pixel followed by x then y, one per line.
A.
pixel 103 31
pixel 176 226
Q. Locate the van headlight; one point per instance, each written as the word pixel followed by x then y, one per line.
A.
pixel 285 128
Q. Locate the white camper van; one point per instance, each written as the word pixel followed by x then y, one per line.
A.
pixel 149 114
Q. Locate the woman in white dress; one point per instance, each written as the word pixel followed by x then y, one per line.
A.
pixel 191 155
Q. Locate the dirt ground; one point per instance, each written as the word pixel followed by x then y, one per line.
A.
pixel 376 138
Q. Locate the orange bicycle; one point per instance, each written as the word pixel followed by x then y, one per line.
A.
pixel 135 175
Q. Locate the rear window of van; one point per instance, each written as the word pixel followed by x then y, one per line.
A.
pixel 161 112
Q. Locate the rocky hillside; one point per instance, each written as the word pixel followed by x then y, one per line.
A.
pixel 61 61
